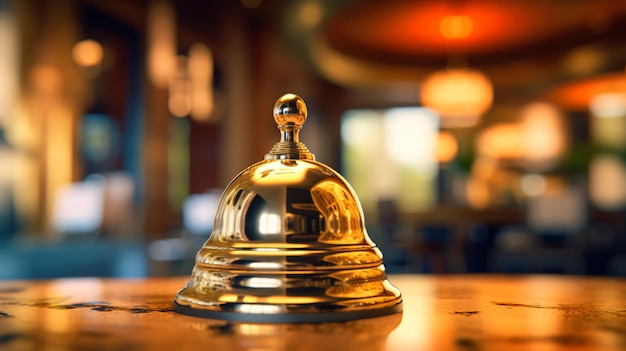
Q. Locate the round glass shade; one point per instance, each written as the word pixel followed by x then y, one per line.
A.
pixel 460 96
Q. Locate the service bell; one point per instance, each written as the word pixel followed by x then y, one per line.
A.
pixel 289 243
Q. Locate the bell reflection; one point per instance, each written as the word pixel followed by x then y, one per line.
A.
pixel 341 213
pixel 269 224
pixel 259 282
pixel 366 334
pixel 289 243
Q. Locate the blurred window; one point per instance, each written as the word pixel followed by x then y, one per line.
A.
pixel 391 154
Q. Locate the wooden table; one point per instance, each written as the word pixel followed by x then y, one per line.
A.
pixel 464 312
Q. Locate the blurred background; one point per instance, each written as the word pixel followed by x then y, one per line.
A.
pixel 480 135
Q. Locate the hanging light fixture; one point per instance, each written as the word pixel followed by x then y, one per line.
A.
pixel 200 73
pixel 459 94
pixel 161 45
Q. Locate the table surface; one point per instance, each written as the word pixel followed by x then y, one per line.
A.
pixel 460 312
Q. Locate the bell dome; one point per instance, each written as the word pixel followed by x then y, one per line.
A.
pixel 289 243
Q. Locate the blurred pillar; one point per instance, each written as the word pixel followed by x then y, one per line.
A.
pixel 53 98
pixel 161 42
pixel 237 125
pixel 157 213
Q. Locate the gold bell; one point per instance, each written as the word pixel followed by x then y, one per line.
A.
pixel 289 243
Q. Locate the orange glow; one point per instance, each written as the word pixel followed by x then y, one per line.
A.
pixel 447 147
pixel 460 96
pixel 456 27
pixel 46 79
pixel 539 136
pixel 87 53
pixel 310 13
pixel 200 73
pixel 477 193
pixel 501 141
pixel 478 190
pixel 412 28
pixel 543 131
pixel 607 186
pixel 179 105
pixel 578 95
pixel 179 102
pixel 161 42
pixel 9 64
pixel 58 152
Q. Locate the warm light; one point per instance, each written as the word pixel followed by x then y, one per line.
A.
pixel 447 147
pixel 539 137
pixel 261 282
pixel 480 183
pixel 280 175
pixel 310 13
pixel 501 141
pixel 266 265
pixel 87 53
pixel 477 194
pixel 607 182
pixel 585 61
pixel 9 64
pixel 460 96
pixel 161 42
pixel 477 191
pixel 608 105
pixel 580 94
pixel 46 79
pixel 179 105
pixel 543 128
pixel 200 71
pixel 456 27
pixel 179 102
pixel 269 223
pixel 59 151
pixel 260 309
pixel 534 184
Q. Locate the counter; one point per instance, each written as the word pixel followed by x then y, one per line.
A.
pixel 446 312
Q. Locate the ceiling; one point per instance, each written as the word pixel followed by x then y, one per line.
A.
pixel 409 32
pixel 527 47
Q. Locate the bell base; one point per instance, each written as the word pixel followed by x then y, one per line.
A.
pixel 317 317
